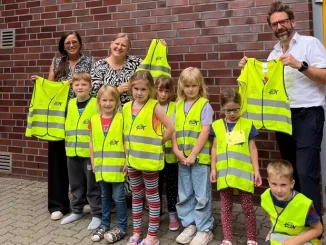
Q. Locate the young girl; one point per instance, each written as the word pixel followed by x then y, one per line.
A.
pixel 234 164
pixel 144 153
pixel 108 162
pixel 164 94
pixel 193 118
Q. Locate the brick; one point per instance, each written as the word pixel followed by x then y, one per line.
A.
pixel 92 4
pixel 111 2
pixel 100 10
pixel 182 10
pixel 142 13
pixel 176 2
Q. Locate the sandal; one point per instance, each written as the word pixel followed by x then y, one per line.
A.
pixel 134 240
pixel 98 234
pixel 226 242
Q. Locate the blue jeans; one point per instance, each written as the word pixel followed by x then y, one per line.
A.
pixel 195 196
pixel 115 190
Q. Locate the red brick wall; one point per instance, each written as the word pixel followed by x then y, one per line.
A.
pixel 210 34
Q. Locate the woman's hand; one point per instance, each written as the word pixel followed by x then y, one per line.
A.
pixel 243 62
pixel 33 78
pixel 124 87
pixel 163 41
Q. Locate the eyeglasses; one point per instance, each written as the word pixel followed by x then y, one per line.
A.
pixel 280 22
pixel 228 111
pixel 74 43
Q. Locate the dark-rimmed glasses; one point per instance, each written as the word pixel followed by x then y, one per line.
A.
pixel 283 23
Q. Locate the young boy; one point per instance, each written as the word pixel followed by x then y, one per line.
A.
pixel 293 217
pixel 81 177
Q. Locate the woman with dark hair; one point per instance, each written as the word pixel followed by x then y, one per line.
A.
pixel 63 68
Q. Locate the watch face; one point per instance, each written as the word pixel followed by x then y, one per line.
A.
pixel 304 66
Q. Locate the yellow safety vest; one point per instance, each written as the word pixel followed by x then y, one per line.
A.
pixel 290 221
pixel 156 60
pixel 264 98
pixel 144 149
pixel 188 128
pixel 233 162
pixel 46 117
pixel 109 155
pixel 170 157
pixel 76 127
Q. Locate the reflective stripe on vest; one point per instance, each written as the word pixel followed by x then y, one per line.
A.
pixel 188 128
pixel 264 97
pixel 76 125
pixel 233 163
pixel 108 151
pixel 278 239
pixel 156 60
pixel 144 148
pixel 291 220
pixel 169 154
pixel 46 116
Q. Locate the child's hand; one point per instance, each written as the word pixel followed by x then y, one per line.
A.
pixel 124 87
pixel 181 157
pixel 258 181
pixel 213 176
pixel 124 169
pixel 93 168
pixel 191 159
pixel 34 77
pixel 288 242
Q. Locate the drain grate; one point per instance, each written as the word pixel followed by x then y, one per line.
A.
pixel 5 162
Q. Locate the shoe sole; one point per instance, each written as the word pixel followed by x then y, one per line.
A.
pixel 186 242
pixel 174 229
pixel 97 239
pixel 209 239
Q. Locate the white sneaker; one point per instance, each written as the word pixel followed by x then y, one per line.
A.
pixel 202 238
pixel 187 235
pixel 56 215
pixel 87 209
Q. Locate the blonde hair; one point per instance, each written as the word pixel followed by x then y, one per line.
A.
pixel 191 75
pixel 146 76
pixel 111 90
pixel 280 168
pixel 81 76
pixel 122 34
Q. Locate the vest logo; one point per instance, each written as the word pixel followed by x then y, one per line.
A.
pixel 273 91
pixel 289 225
pixel 57 103
pixel 86 121
pixel 114 142
pixel 193 122
pixel 141 127
pixel 158 58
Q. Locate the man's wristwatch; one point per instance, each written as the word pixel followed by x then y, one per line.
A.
pixel 304 66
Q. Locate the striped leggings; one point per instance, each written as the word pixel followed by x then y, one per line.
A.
pixel 145 182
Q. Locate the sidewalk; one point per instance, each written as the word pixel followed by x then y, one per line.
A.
pixel 24 219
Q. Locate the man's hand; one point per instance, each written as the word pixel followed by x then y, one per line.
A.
pixel 289 60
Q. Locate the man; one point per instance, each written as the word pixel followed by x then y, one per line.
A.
pixel 304 58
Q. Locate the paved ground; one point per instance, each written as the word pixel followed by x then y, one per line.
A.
pixel 24 219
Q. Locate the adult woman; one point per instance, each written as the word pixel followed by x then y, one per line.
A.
pixel 116 69
pixel 63 68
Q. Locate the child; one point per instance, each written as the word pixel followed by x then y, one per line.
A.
pixel 234 164
pixel 164 94
pixel 293 217
pixel 108 162
pixel 81 177
pixel 191 145
pixel 144 153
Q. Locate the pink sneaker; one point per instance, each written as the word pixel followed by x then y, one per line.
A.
pixel 174 225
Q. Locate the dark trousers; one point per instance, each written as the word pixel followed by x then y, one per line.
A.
pixel 169 176
pixel 302 149
pixel 82 184
pixel 58 183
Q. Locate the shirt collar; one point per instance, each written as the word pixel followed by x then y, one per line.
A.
pixel 295 39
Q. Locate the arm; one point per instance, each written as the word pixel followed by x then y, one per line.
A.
pixel 213 162
pixel 91 150
pixel 51 73
pixel 202 138
pixel 314 231
pixel 254 160
pixel 166 121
